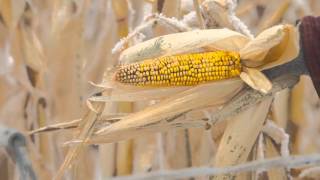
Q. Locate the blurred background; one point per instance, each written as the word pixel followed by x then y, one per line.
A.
pixel 51 50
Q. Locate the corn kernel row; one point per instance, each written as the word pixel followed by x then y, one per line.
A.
pixel 181 70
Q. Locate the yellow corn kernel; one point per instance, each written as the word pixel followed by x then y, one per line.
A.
pixel 181 70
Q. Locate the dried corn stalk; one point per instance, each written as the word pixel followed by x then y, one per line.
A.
pixel 177 105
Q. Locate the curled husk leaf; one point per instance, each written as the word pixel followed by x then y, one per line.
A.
pixel 256 80
pixel 274 46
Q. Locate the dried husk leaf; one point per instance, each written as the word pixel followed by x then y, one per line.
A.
pixel 272 47
pixel 179 43
pixel 85 132
pixel 257 49
pixel 137 94
pixel 196 97
pixel 238 138
pixel 256 79
pixel 148 130
pixel 247 79
pixel 155 116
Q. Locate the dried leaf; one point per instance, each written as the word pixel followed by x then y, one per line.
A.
pixel 272 47
pixel 86 130
pixel 256 79
pixel 158 117
pixel 238 138
pixel 193 98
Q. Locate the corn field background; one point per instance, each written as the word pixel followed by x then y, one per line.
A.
pixel 56 59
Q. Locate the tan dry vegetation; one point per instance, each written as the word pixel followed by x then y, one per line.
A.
pixel 57 60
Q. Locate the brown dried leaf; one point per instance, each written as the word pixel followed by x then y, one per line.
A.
pixel 87 128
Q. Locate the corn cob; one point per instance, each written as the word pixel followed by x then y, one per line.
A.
pixel 181 70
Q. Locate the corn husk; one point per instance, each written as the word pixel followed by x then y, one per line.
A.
pixel 68 43
pixel 154 117
pixel 238 138
pixel 272 47
pixel 179 43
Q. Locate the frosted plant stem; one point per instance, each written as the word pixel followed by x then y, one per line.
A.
pixel 235 21
pixel 279 162
pixel 172 23
pixel 279 135
pixel 149 21
pixel 121 44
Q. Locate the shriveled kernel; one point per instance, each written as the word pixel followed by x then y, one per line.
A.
pixel 181 70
